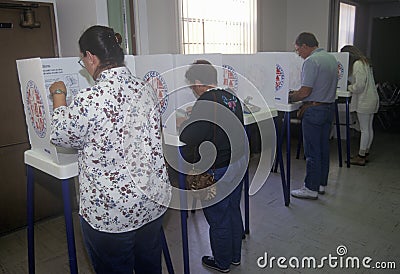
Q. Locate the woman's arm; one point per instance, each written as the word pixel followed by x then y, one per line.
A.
pixel 360 77
pixel 68 124
pixel 58 92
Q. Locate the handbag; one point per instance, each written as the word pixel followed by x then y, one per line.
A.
pixel 203 185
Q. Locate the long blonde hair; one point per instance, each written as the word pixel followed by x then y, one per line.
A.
pixel 354 55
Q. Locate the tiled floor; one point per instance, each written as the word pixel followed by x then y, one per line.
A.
pixel 361 211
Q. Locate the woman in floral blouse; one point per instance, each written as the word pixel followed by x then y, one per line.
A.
pixel 124 187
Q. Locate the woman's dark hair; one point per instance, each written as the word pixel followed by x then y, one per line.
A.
pixel 354 55
pixel 105 44
pixel 307 39
pixel 203 71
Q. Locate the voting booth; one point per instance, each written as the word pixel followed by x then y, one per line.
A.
pixel 251 78
pixel 259 80
pixel 343 68
pixel 269 74
pixel 156 70
pixel 35 76
pixel 183 93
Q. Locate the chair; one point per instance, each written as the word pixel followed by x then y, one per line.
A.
pixel 389 102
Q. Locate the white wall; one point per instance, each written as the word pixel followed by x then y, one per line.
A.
pixel 163 26
pixel 156 26
pixel 272 25
pixel 74 16
pixel 307 15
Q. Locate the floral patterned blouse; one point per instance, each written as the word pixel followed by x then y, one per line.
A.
pixel 115 125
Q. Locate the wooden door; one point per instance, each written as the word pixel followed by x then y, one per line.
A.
pixel 18 42
pixel 385 52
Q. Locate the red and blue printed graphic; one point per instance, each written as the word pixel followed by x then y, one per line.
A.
pixel 279 77
pixel 230 78
pixel 36 109
pixel 230 102
pixel 160 87
pixel 340 70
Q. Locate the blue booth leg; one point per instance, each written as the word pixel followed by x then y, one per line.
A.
pixel 339 140
pixel 167 256
pixel 246 192
pixel 348 131
pixel 246 204
pixel 184 215
pixel 30 216
pixel 279 137
pixel 69 227
pixel 287 121
pixel 279 162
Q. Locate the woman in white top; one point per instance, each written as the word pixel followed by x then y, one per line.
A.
pixel 123 182
pixel 364 101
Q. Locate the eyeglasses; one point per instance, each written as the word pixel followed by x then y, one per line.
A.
pixel 297 48
pixel 80 62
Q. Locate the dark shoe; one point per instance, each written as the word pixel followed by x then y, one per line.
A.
pixel 209 262
pixel 366 157
pixel 358 160
pixel 235 263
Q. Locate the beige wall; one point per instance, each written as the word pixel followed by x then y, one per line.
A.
pixel 272 25
pixel 74 16
pixel 280 21
pixel 163 26
pixel 307 15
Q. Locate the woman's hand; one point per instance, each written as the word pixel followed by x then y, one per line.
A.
pixel 58 92
pixel 189 111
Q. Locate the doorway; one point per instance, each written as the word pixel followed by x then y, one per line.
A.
pixel 385 52
pixel 27 29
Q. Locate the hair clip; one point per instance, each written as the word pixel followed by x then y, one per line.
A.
pixel 118 38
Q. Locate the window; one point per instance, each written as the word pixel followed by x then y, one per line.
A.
pixel 347 14
pixel 218 26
